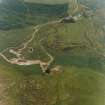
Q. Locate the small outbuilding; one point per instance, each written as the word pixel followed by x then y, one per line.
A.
pixel 68 19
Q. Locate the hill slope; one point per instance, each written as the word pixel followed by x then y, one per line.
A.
pixel 77 73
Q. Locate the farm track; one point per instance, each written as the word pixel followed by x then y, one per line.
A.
pixel 19 60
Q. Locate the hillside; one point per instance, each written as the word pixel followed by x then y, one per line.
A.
pixel 27 14
pixel 49 56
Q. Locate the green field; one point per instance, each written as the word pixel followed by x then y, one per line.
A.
pixel 77 47
pixel 76 85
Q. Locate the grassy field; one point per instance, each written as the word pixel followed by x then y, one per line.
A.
pixel 82 79
pixel 82 76
pixel 75 85
pixel 22 15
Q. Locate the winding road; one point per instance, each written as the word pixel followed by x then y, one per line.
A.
pixel 20 60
